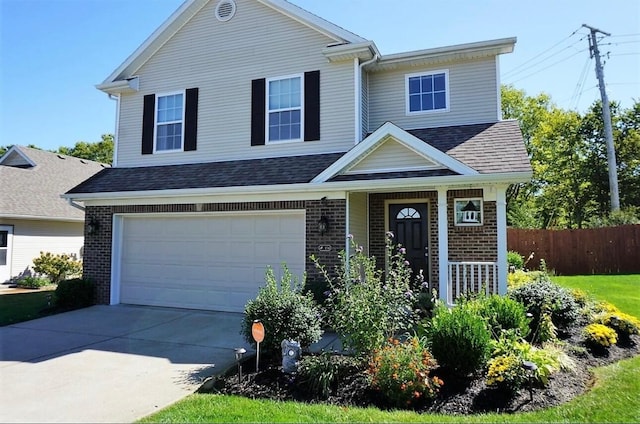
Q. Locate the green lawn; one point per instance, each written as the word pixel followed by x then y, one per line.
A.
pixel 621 290
pixel 614 398
pixel 20 307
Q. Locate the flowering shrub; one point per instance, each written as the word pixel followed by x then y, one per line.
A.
pixel 506 372
pixel 285 312
pixel 521 277
pixel 623 324
pixel 458 338
pixel 400 371
pixel 57 267
pixel 363 307
pixel 600 335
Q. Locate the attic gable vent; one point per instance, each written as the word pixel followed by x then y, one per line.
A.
pixel 225 10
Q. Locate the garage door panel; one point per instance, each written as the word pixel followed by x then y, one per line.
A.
pixel 214 262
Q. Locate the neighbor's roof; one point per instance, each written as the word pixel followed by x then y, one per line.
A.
pixel 32 181
pixel 493 148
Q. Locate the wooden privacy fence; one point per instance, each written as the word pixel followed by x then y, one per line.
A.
pixel 610 250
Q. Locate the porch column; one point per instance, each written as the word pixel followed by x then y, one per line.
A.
pixel 443 246
pixel 501 223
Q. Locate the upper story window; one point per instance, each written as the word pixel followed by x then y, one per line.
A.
pixel 284 106
pixel 427 92
pixel 169 120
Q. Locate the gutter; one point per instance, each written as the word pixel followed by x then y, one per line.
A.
pixel 423 183
pixel 74 204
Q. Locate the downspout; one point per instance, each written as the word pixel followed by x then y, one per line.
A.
pixel 115 134
pixel 358 96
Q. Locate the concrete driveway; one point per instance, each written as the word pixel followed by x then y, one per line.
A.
pixel 110 363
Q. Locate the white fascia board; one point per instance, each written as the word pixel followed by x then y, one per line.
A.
pixel 302 191
pixel 342 52
pixel 156 40
pixel 18 150
pixel 380 135
pixel 41 218
pixel 313 21
pixel 439 54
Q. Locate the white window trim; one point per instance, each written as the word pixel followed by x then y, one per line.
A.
pixel 155 121
pixel 420 74
pixel 466 200
pixel 266 105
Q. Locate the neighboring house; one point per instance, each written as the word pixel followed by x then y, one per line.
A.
pixel 34 217
pixel 252 132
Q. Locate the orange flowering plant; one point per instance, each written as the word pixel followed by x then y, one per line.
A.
pixel 400 371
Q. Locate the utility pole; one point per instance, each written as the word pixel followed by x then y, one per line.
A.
pixel 606 117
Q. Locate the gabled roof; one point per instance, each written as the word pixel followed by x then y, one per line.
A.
pixel 32 181
pixel 491 148
pixel 189 9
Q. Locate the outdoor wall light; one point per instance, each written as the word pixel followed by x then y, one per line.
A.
pixel 93 225
pixel 323 224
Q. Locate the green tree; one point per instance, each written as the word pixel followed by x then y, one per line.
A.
pixel 101 151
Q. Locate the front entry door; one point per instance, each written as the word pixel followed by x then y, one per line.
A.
pixel 6 233
pixel 409 224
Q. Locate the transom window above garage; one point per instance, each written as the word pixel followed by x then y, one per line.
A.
pixel 284 106
pixel 427 92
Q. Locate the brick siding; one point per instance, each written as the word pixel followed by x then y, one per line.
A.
pixel 97 248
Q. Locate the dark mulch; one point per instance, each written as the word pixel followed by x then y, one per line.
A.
pixel 457 396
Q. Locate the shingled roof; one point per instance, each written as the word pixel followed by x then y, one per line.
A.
pixel 32 180
pixel 255 172
pixel 488 148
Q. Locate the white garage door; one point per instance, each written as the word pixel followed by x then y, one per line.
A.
pixel 214 262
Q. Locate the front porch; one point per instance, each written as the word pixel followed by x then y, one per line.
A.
pixel 441 238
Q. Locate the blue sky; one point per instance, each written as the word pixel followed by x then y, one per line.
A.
pixel 53 52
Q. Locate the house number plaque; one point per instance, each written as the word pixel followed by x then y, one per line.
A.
pixel 324 248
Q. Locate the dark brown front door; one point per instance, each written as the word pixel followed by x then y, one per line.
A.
pixel 408 222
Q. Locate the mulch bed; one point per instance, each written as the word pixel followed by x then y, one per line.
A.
pixel 457 396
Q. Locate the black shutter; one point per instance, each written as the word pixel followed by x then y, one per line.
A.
pixel 191 119
pixel 258 93
pixel 312 105
pixel 148 123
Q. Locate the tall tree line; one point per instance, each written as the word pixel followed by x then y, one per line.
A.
pixel 570 186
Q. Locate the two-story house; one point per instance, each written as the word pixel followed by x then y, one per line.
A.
pixel 252 132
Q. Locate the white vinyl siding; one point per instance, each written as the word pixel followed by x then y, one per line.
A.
pixel 214 262
pixel 358 219
pixel 30 237
pixel 472 96
pixel 391 156
pixel 221 59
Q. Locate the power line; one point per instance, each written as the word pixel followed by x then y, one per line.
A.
pixel 550 66
pixel 581 80
pixel 543 52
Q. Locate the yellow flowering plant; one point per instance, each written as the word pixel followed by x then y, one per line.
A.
pixel 600 335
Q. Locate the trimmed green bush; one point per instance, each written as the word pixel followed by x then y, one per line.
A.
pixel 502 314
pixel 75 293
pixel 31 282
pixel 458 339
pixel 515 260
pixel 545 296
pixel 285 312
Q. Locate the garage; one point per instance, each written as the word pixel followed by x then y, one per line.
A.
pixel 205 261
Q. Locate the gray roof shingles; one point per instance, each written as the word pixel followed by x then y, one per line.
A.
pixel 488 148
pixel 35 191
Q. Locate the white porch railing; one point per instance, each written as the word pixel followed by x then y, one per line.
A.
pixel 471 277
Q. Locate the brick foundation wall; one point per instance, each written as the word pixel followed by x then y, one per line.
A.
pixel 97 247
